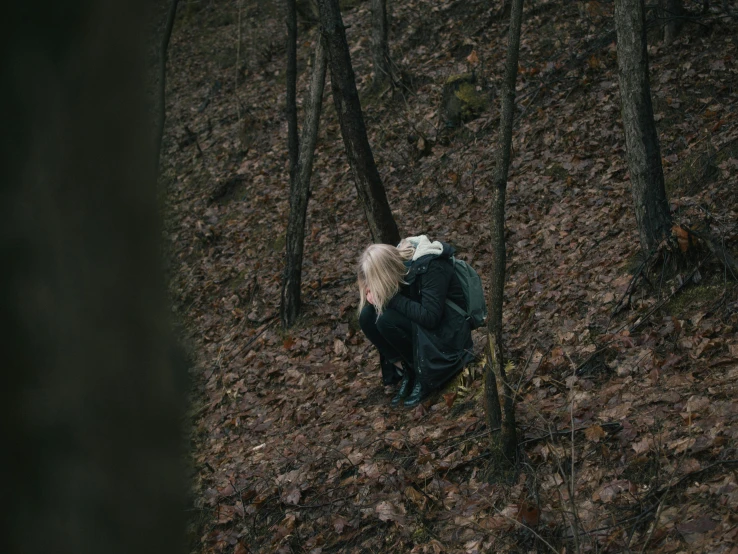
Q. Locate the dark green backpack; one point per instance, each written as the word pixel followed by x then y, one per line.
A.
pixel 471 284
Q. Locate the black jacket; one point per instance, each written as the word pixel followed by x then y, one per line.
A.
pixel 442 342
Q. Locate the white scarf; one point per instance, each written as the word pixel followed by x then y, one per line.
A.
pixel 423 246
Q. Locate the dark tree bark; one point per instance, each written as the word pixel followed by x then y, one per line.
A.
pixel 641 139
pixel 291 109
pixel 91 403
pixel 346 99
pixel 380 45
pixel 673 13
pixel 300 191
pixel 163 56
pixel 498 396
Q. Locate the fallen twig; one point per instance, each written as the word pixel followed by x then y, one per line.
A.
pixel 269 322
pixel 610 427
pixel 629 291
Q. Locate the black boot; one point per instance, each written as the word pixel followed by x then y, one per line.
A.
pixel 416 396
pixel 406 385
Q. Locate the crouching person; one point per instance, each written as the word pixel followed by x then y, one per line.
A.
pixel 412 309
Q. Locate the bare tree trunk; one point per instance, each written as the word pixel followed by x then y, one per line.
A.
pixel 346 99
pixel 163 56
pixel 641 139
pixel 499 401
pixel 673 12
pixel 380 44
pixel 291 75
pixel 300 191
pixel 91 403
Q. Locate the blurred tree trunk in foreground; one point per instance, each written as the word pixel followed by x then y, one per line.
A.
pixel 346 99
pixel 91 403
pixel 641 138
pixel 498 396
pixel 300 191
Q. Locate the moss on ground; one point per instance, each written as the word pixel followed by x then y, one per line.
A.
pixel 474 102
pixel 692 298
pixel 279 243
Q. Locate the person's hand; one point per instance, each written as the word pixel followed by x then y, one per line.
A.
pixel 369 297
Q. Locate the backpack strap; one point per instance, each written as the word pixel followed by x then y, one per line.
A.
pixel 453 305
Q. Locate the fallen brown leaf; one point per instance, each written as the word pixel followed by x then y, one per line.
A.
pixel 594 433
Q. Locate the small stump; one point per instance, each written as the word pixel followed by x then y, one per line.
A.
pixel 461 101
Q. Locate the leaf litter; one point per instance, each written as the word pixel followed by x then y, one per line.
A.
pixel 628 437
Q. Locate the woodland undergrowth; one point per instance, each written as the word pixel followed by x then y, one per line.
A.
pixel 625 380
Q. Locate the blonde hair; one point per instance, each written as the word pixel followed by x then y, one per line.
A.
pixel 381 270
pixel 406 249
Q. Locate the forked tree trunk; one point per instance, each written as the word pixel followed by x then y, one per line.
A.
pixel 291 76
pixel 300 191
pixel 641 140
pixel 380 44
pixel 498 396
pixel 346 99
pixel 161 100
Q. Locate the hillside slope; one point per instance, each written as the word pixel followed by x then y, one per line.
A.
pixel 625 395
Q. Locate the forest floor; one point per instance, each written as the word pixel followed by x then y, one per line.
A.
pixel 625 387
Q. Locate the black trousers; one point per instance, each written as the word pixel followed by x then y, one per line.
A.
pixel 392 334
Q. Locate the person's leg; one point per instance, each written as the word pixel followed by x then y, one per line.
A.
pixel 392 335
pixel 397 331
pixel 368 324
